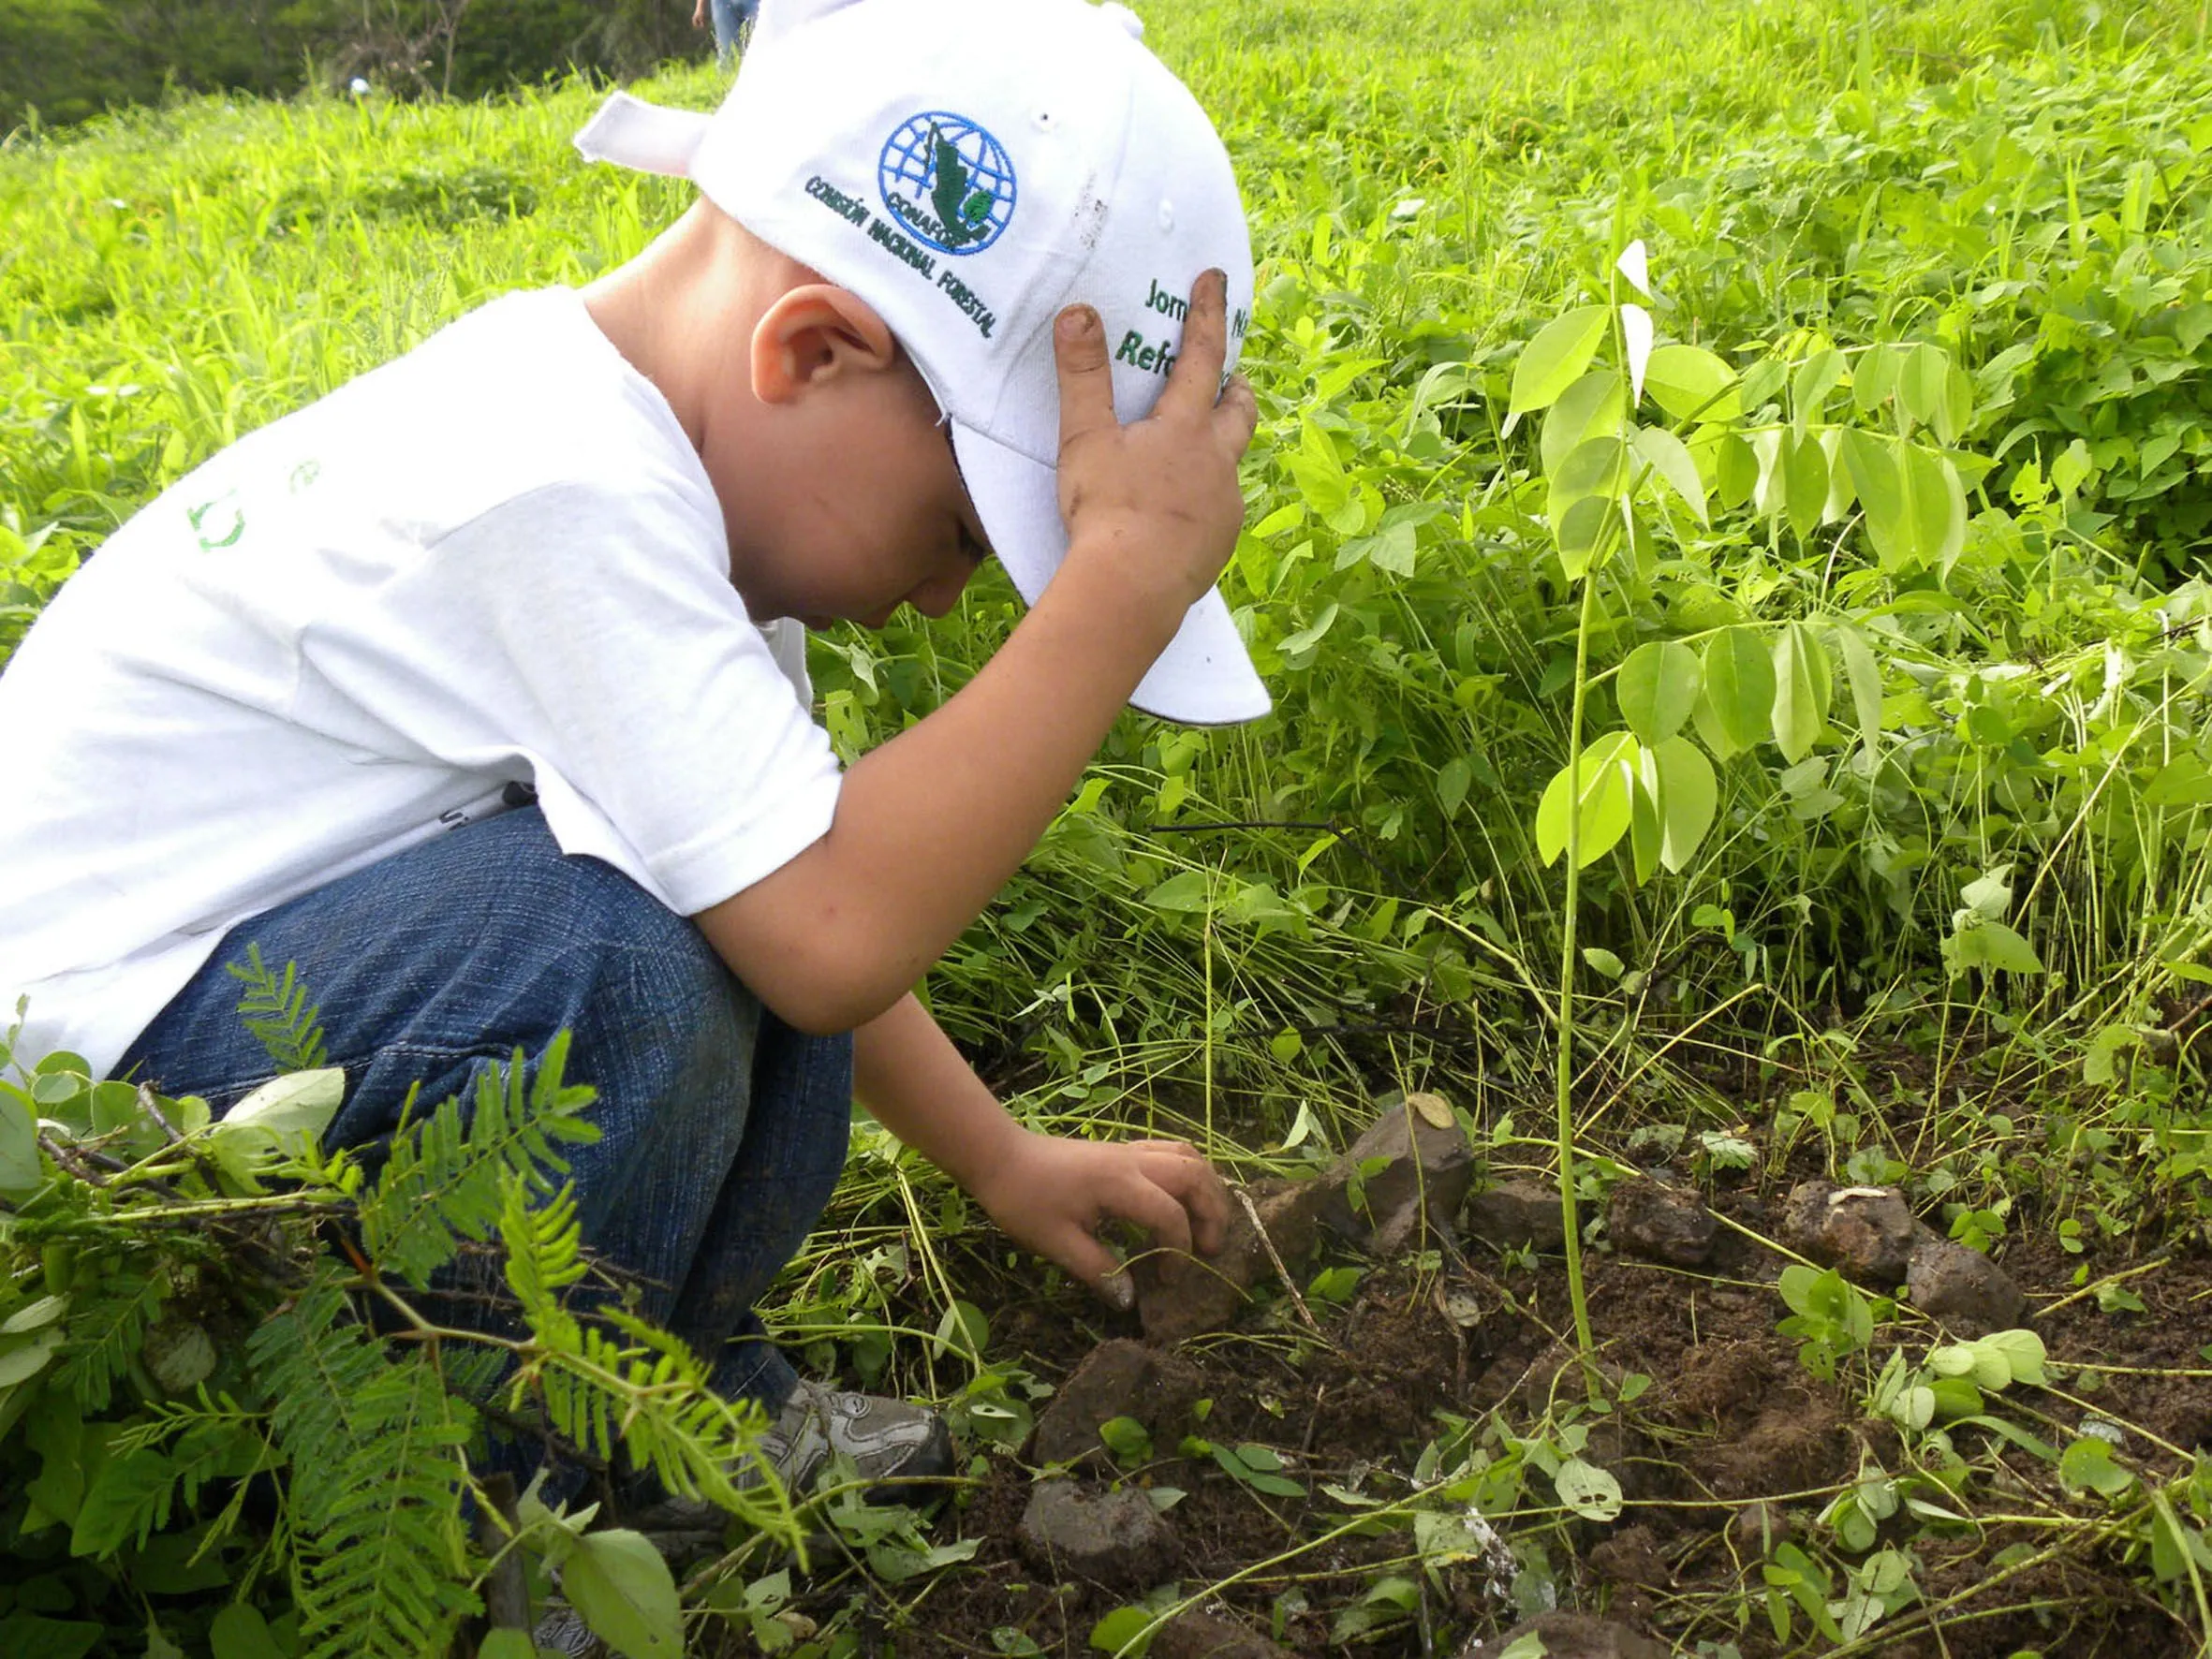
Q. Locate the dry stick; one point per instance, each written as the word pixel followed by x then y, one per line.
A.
pixel 1266 1243
pixel 506 1592
pixel 2072 1297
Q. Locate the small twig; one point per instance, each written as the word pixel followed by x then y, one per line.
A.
pixel 81 1161
pixel 150 1103
pixel 1266 1243
pixel 2091 1288
pixel 506 1592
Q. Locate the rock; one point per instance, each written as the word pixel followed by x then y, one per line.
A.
pixel 1963 1288
pixel 1182 1296
pixel 1119 1379
pixel 1517 1212
pixel 1660 1222
pixel 1572 1635
pixel 1757 1527
pixel 1426 1171
pixel 1117 1539
pixel 1208 1635
pixel 1869 1232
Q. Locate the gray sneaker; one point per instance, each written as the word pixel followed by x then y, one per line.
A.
pixel 892 1443
pixel 895 1448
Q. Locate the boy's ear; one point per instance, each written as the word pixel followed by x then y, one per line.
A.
pixel 814 334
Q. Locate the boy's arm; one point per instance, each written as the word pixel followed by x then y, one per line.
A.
pixel 929 826
pixel 1046 1192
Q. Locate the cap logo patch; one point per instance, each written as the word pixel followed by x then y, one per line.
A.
pixel 947 181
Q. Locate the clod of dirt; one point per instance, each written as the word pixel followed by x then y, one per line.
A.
pixel 1870 1232
pixel 1963 1288
pixel 1119 1379
pixel 1117 1539
pixel 1425 1169
pixel 1757 1527
pixel 1631 1556
pixel 1660 1222
pixel 1516 1212
pixel 1207 1636
pixel 1182 1296
pixel 1572 1636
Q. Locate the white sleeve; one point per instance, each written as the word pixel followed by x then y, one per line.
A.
pixel 590 635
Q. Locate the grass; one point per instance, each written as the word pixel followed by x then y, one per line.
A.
pixel 1247 935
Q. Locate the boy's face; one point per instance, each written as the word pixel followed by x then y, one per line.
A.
pixel 860 508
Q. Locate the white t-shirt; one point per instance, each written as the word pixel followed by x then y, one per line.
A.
pixel 494 560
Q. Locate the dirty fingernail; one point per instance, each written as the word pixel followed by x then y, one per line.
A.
pixel 1077 322
pixel 1120 1290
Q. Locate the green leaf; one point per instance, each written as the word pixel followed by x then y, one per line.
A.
pixel 300 1103
pixel 506 1644
pixel 1577 532
pixel 20 1170
pixel 1740 684
pixel 1805 484
pixel 1191 890
pixel 2087 1466
pixel 1922 383
pixel 1556 358
pixel 1735 471
pixel 1657 688
pixel 27 1636
pixel 1690 383
pixel 1594 406
pixel 1667 456
pixel 1305 639
pixel 1646 826
pixel 1864 676
pixel 1816 377
pixel 22 1358
pixel 1125 1630
pixel 1590 1492
pixel 1689 796
pixel 240 1632
pixel 1983 944
pixel 620 1586
pixel 1801 690
pixel 1592 468
pixel 1876 376
pixel 1608 767
pixel 121 1503
pixel 35 1316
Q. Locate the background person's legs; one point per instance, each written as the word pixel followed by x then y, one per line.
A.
pixel 733 27
pixel 722 1130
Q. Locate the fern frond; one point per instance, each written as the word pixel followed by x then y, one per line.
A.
pixel 375 1452
pixel 105 1332
pixel 276 1010
pixel 442 1181
pixel 649 1393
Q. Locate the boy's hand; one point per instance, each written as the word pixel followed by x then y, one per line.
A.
pixel 1052 1194
pixel 1158 496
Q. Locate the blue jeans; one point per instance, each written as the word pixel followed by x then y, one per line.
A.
pixel 733 26
pixel 722 1130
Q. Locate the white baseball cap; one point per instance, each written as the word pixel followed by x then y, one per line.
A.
pixel 970 167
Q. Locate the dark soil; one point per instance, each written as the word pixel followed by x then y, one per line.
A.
pixel 1732 1447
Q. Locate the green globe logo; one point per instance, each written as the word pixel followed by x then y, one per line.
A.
pixel 948 181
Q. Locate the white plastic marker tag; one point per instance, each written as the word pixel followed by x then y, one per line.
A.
pixel 1635 267
pixel 1635 332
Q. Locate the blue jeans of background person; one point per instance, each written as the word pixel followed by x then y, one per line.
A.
pixel 722 1130
pixel 733 26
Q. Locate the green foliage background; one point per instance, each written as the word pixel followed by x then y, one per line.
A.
pixel 71 59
